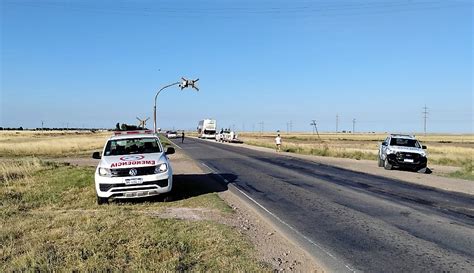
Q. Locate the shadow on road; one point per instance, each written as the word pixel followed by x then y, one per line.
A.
pixel 191 185
pixel 187 186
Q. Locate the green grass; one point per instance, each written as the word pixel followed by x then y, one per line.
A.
pixel 50 222
pixel 466 172
pixel 323 151
pixel 165 141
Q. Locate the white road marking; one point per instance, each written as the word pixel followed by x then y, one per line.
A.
pixel 283 222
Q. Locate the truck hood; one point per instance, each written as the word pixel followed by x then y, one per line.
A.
pixel 135 160
pixel 407 149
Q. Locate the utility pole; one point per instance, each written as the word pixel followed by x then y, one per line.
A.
pixel 425 116
pixel 287 128
pixel 291 126
pixel 261 127
pixel 42 125
pixel 353 125
pixel 315 127
pixel 337 123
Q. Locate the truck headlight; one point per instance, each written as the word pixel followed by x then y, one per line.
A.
pixel 161 168
pixel 423 154
pixel 390 151
pixel 104 172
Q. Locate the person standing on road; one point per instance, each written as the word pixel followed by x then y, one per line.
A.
pixel 182 136
pixel 278 143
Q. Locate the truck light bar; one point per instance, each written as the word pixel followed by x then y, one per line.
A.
pixel 116 133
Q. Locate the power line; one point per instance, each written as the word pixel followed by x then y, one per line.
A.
pixel 304 8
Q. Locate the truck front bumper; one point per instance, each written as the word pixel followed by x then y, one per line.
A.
pixel 115 187
pixel 411 161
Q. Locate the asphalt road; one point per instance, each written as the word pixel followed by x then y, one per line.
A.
pixel 370 223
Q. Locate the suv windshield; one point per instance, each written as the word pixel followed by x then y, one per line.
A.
pixel 405 142
pixel 132 146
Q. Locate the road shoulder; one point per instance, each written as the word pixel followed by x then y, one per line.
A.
pixel 272 246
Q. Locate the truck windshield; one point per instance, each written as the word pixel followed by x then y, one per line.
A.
pixel 405 142
pixel 209 132
pixel 132 146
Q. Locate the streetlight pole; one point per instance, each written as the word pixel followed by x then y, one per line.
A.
pixel 184 83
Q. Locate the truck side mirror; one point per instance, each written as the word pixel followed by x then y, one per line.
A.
pixel 384 143
pixel 423 147
pixel 170 151
pixel 96 155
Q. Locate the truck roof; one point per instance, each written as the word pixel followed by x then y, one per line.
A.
pixel 403 136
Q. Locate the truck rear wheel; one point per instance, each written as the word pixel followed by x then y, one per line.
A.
pixel 380 162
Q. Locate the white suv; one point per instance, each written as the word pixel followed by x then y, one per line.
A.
pixel 402 151
pixel 132 164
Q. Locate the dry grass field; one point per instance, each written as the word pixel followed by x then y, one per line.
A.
pixel 49 219
pixel 50 143
pixel 447 150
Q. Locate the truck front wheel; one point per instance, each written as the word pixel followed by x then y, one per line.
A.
pixel 387 165
pixel 102 201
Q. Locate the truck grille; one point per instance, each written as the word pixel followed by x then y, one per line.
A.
pixel 160 183
pixel 125 171
pixel 401 156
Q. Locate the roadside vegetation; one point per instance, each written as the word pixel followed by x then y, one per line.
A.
pixel 49 219
pixel 50 143
pixel 445 150
pixel 165 141
pixel 466 172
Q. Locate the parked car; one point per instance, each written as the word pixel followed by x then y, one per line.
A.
pixel 171 134
pixel 132 164
pixel 402 151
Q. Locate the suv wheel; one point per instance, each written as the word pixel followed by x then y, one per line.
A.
pixel 387 165
pixel 101 201
pixel 380 162
pixel 421 170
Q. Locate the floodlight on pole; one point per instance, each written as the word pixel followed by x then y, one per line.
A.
pixel 184 83
pixel 188 83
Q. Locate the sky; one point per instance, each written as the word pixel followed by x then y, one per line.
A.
pixel 259 63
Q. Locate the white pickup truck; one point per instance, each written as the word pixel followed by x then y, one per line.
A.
pixel 402 151
pixel 132 164
pixel 228 136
